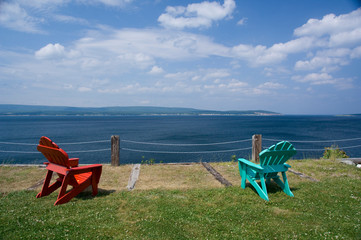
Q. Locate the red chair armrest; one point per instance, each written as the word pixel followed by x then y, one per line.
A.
pixel 74 162
pixel 84 169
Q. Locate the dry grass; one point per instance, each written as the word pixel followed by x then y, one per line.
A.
pixel 169 176
pixel 324 168
pixel 173 176
pixel 115 178
pixel 229 170
pixel 19 178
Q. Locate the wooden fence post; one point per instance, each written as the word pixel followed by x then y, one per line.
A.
pixel 115 148
pixel 256 147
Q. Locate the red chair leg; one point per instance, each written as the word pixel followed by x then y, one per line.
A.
pixel 46 189
pixel 95 179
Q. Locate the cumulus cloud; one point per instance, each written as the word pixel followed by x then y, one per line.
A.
pixel 272 85
pixel 315 78
pixel 196 15
pixel 327 60
pixel 346 38
pixel 324 79
pixel 142 60
pixel 50 51
pixel 330 33
pixel 261 55
pixel 330 24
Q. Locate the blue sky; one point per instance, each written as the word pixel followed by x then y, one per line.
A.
pixel 292 57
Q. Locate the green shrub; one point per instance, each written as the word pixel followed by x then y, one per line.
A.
pixel 334 152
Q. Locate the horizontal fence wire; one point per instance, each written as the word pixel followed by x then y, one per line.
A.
pixel 202 152
pixel 181 144
pixel 185 144
pixel 85 151
pixel 320 141
pixel 24 144
pixel 74 143
pixel 349 147
pixel 100 141
pixel 19 152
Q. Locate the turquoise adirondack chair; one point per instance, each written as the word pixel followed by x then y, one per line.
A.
pixel 272 161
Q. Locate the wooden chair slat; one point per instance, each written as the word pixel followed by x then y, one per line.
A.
pixel 272 161
pixel 69 173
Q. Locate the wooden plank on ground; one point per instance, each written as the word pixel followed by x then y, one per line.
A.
pixel 303 175
pixel 133 177
pixel 216 174
pixel 40 183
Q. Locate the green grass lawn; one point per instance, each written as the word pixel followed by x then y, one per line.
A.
pixel 328 209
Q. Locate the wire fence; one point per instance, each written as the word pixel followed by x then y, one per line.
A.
pixel 318 141
pixel 66 143
pixel 159 144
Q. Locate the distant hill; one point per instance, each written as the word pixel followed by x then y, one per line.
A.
pixel 33 110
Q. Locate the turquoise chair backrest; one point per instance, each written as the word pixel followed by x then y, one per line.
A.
pixel 277 154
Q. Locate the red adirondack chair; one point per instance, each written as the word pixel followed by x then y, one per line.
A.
pixel 68 171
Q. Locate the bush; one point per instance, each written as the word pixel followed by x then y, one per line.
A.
pixel 334 152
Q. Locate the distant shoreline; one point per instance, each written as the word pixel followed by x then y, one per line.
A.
pixel 134 115
pixel 33 110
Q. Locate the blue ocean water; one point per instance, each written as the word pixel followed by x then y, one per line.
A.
pixel 309 134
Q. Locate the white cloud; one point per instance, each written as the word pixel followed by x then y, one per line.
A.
pixel 236 84
pixel 315 78
pixel 15 17
pixel 324 79
pixel 148 44
pixel 51 51
pixel 294 46
pixel 331 24
pixel 243 21
pixel 29 15
pixel 261 55
pixel 69 19
pixel 111 3
pixel 84 89
pixel 356 53
pixel 332 34
pixel 140 60
pixel 216 74
pixel 346 38
pixel 196 15
pixel 43 4
pixel 272 85
pixel 328 60
pixel 156 70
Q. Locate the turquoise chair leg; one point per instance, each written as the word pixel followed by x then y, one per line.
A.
pixel 284 186
pixel 287 189
pixel 242 172
pixel 268 180
pixel 261 193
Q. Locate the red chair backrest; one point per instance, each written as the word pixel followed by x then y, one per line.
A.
pixel 53 153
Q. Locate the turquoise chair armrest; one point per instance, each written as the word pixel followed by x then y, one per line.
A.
pixel 250 164
pixel 288 166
